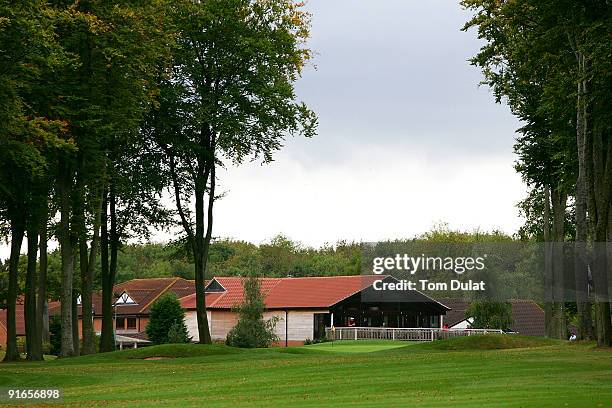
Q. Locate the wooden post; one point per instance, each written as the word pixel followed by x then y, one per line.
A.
pixel 286 328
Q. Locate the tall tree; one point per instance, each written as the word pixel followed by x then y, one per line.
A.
pixel 587 26
pixel 561 50
pixel 131 197
pixel 102 95
pixel 28 47
pixel 228 96
pixel 37 202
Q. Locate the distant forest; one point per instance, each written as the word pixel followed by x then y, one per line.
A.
pixel 278 257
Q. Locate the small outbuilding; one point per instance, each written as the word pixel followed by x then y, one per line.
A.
pixel 527 316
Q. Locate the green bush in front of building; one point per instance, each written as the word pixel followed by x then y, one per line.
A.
pixel 166 324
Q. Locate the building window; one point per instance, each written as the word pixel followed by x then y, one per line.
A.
pixel 125 323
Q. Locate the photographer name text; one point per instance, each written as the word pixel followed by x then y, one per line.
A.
pixel 426 285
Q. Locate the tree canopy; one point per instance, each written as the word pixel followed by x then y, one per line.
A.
pixel 107 107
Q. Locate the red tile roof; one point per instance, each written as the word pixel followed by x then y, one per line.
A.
pixel 146 291
pixel 282 293
pixel 143 291
pixel 316 291
pixel 528 318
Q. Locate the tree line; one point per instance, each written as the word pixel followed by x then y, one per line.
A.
pixel 550 62
pixel 278 257
pixel 104 106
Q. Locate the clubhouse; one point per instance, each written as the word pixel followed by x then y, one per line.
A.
pixel 305 306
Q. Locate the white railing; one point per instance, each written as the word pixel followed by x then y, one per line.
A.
pixel 405 334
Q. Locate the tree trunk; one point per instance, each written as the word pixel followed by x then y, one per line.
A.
pixel 42 317
pixel 107 340
pixel 199 240
pixel 109 240
pixel 87 264
pixel 67 254
pixel 86 325
pixel 602 178
pixel 602 304
pixel 86 289
pixel 17 233
pixel 559 205
pixel 548 268
pixel 200 260
pixel 114 248
pixel 87 276
pixel 79 229
pixel 76 340
pixel 33 340
pixel 581 262
pixel 208 236
pixel 609 247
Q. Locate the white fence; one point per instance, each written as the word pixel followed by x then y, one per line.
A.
pixel 406 334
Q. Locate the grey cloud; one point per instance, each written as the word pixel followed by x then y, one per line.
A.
pixel 395 73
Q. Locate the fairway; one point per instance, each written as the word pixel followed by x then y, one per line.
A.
pixel 426 374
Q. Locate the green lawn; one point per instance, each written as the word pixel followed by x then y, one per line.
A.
pixel 459 372
pixel 358 346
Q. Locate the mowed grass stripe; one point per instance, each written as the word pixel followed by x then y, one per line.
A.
pixel 413 375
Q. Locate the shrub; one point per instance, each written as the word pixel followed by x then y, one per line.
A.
pixel 21 344
pixel 54 345
pixel 316 340
pixel 490 315
pixel 96 341
pixel 165 313
pixel 46 347
pixel 252 330
pixel 55 336
pixel 178 333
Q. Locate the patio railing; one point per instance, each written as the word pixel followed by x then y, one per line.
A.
pixel 405 334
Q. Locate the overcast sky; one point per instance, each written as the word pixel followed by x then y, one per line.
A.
pixel 406 137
